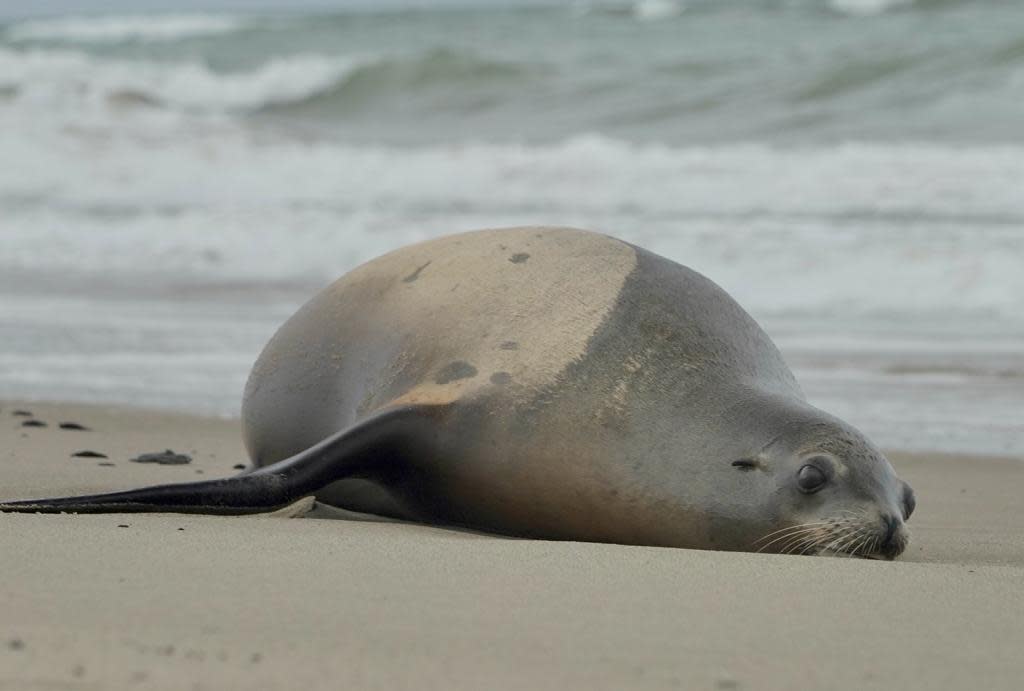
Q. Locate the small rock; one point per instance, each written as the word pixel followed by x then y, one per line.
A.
pixel 21 413
pixel 167 457
pixel 88 454
pixel 74 426
pixel 239 466
pixel 33 423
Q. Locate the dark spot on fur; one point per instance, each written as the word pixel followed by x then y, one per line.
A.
pixel 74 425
pixel 88 454
pixel 415 274
pixel 460 369
pixel 33 423
pixel 501 378
pixel 519 257
pixel 509 345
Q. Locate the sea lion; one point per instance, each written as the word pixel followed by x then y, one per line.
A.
pixel 551 383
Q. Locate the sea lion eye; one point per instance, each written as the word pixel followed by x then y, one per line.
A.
pixel 810 478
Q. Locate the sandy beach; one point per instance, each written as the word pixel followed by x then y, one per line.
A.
pixel 177 602
pixel 181 177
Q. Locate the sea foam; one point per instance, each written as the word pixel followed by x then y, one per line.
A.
pixel 115 29
pixel 853 228
pixel 862 8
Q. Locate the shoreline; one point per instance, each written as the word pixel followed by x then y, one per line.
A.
pixel 913 454
pixel 165 600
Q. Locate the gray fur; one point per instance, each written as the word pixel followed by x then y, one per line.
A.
pixel 578 388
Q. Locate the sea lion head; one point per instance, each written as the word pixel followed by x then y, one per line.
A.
pixel 824 488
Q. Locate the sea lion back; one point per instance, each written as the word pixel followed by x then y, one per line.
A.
pixel 431 323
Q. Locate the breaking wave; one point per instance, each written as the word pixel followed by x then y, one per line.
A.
pixel 68 77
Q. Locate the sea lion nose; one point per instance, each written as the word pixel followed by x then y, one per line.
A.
pixel 894 541
pixel 909 501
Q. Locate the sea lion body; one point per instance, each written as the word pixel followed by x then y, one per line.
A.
pixel 565 360
pixel 553 383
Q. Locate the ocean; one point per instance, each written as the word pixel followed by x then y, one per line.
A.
pixel 851 171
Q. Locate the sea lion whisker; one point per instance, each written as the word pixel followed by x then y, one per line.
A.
pixel 826 544
pixel 804 547
pixel 793 532
pixel 812 542
pixel 796 543
pixel 788 540
pixel 857 547
pixel 841 538
pixel 872 546
pixel 791 527
pixel 806 541
pixel 852 536
pixel 787 536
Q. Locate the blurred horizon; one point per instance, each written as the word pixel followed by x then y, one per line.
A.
pixel 48 8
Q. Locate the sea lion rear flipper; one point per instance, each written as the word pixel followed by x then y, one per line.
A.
pixel 345 454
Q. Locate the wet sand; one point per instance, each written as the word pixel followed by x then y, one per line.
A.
pixel 179 602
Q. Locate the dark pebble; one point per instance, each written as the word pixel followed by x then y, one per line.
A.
pixel 123 525
pixel 239 466
pixel 33 423
pixel 88 454
pixel 21 413
pixel 75 426
pixel 167 457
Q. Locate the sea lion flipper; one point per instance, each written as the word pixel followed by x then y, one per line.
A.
pixel 347 453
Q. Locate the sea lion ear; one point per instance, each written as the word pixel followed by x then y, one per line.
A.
pixel 748 463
